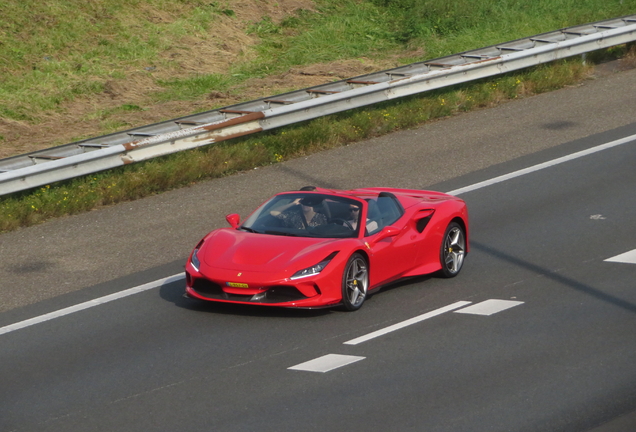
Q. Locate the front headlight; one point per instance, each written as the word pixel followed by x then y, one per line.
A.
pixel 195 258
pixel 313 270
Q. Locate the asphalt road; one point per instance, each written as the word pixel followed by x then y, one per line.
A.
pixel 561 357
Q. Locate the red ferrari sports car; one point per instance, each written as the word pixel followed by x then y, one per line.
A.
pixel 322 248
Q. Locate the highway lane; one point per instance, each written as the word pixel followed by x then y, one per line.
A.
pixel 563 360
pixel 47 261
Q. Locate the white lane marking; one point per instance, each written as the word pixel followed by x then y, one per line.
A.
pixel 326 363
pixel 489 307
pixel 627 258
pixel 542 166
pixel 330 362
pixel 91 303
pixel 406 323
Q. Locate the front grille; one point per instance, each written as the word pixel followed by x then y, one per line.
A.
pixel 275 294
pixel 207 288
pixel 280 294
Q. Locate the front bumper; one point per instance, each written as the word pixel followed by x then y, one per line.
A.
pixel 322 290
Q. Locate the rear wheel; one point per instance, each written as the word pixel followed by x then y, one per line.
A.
pixel 355 282
pixel 453 250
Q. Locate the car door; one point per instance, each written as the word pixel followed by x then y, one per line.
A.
pixel 392 247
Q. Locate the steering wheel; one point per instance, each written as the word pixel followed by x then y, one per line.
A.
pixel 344 222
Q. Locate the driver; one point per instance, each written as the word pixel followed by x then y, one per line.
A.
pixel 300 214
pixel 354 216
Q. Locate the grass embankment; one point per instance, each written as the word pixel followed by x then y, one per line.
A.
pixel 106 40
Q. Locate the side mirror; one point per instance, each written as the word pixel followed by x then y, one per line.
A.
pixel 389 231
pixel 233 219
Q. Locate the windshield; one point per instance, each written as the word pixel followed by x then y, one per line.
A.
pixel 306 215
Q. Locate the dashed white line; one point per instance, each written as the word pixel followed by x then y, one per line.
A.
pixel 90 304
pixel 407 323
pixel 489 307
pixel 626 258
pixel 327 363
pixel 330 362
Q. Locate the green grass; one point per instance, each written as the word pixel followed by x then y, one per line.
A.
pixel 190 88
pixel 53 52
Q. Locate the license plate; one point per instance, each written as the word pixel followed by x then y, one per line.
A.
pixel 237 285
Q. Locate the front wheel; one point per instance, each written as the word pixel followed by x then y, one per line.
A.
pixel 453 250
pixel 355 282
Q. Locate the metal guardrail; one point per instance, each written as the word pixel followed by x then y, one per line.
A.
pixel 92 155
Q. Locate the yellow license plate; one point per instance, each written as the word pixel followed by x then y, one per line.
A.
pixel 237 285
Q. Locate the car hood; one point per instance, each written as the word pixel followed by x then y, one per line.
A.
pixel 244 251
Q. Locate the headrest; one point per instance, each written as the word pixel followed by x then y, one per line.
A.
pixel 311 201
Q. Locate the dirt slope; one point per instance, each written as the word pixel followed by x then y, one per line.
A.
pixel 226 43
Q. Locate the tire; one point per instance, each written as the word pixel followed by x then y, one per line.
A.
pixel 453 250
pixel 355 282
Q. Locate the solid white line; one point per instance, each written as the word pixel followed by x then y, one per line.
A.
pixel 91 303
pixel 407 323
pixel 542 166
pixel 326 363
